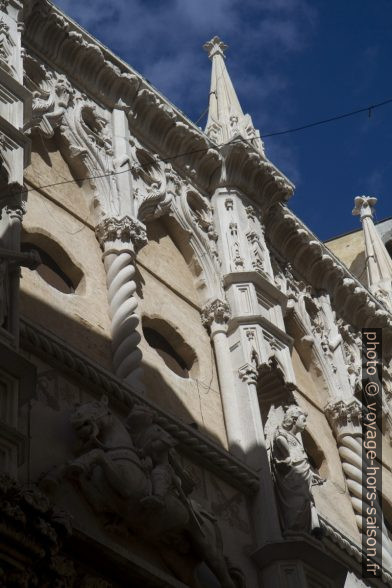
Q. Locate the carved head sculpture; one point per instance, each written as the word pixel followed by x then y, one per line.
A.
pixel 294 419
pixel 64 91
pixel 89 419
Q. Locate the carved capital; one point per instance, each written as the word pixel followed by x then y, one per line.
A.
pixel 345 417
pixel 125 230
pixel 248 373
pixel 217 311
pixel 364 206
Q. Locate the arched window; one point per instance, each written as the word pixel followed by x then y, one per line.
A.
pixel 388 246
pixel 178 356
pixel 56 267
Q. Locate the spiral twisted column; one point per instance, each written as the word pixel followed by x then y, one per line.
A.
pixel 345 419
pixel 120 239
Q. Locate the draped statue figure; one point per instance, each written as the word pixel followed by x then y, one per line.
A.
pixel 294 476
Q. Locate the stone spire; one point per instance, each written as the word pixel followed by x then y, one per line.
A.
pixel 226 119
pixel 378 261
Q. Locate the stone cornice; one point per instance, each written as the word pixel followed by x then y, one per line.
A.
pixel 352 549
pixel 315 262
pixel 37 340
pixel 153 119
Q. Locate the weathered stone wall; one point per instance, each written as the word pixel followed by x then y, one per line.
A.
pixel 60 213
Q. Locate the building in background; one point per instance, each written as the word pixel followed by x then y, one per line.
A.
pixel 180 354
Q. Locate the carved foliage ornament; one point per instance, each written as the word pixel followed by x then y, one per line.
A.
pixel 342 414
pixel 7 45
pixel 125 230
pixel 218 311
pixel 82 131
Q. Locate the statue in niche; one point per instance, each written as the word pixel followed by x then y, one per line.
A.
pixel 294 476
pixel 132 478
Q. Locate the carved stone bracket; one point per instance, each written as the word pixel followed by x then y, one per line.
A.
pixel 248 374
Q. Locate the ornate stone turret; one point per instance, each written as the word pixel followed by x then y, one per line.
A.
pixel 226 119
pixel 378 261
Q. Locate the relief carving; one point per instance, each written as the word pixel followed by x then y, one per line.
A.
pixel 133 480
pixel 156 183
pixel 234 246
pixel 294 476
pixel 352 345
pixel 61 111
pixel 257 252
pixel 7 46
pixel 35 529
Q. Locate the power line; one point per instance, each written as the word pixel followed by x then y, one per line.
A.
pixel 367 109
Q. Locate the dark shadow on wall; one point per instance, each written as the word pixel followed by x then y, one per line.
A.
pixel 358 268
pixel 79 335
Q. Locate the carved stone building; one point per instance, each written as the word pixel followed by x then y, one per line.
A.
pixel 171 307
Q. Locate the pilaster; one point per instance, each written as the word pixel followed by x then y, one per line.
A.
pixel 14 156
pixel 215 316
pixel 255 333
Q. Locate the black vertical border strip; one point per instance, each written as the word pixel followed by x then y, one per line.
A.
pixel 371 397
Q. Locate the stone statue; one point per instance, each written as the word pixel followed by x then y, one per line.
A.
pixel 131 478
pixel 294 476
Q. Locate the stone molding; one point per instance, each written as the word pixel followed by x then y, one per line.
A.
pixel 346 544
pixel 37 340
pixel 124 230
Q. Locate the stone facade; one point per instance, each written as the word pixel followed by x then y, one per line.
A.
pixel 180 360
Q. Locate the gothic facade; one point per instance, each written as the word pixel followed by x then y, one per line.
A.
pixel 180 357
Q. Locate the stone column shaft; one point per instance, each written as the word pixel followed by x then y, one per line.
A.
pixel 345 420
pixel 120 239
pixel 264 508
pixel 226 382
pixel 214 317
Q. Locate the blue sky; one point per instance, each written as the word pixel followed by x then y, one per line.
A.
pixel 292 62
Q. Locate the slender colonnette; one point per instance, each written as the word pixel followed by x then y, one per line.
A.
pixel 120 239
pixel 345 419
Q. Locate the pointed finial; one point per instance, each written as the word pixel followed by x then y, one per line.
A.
pixel 215 47
pixel 364 206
